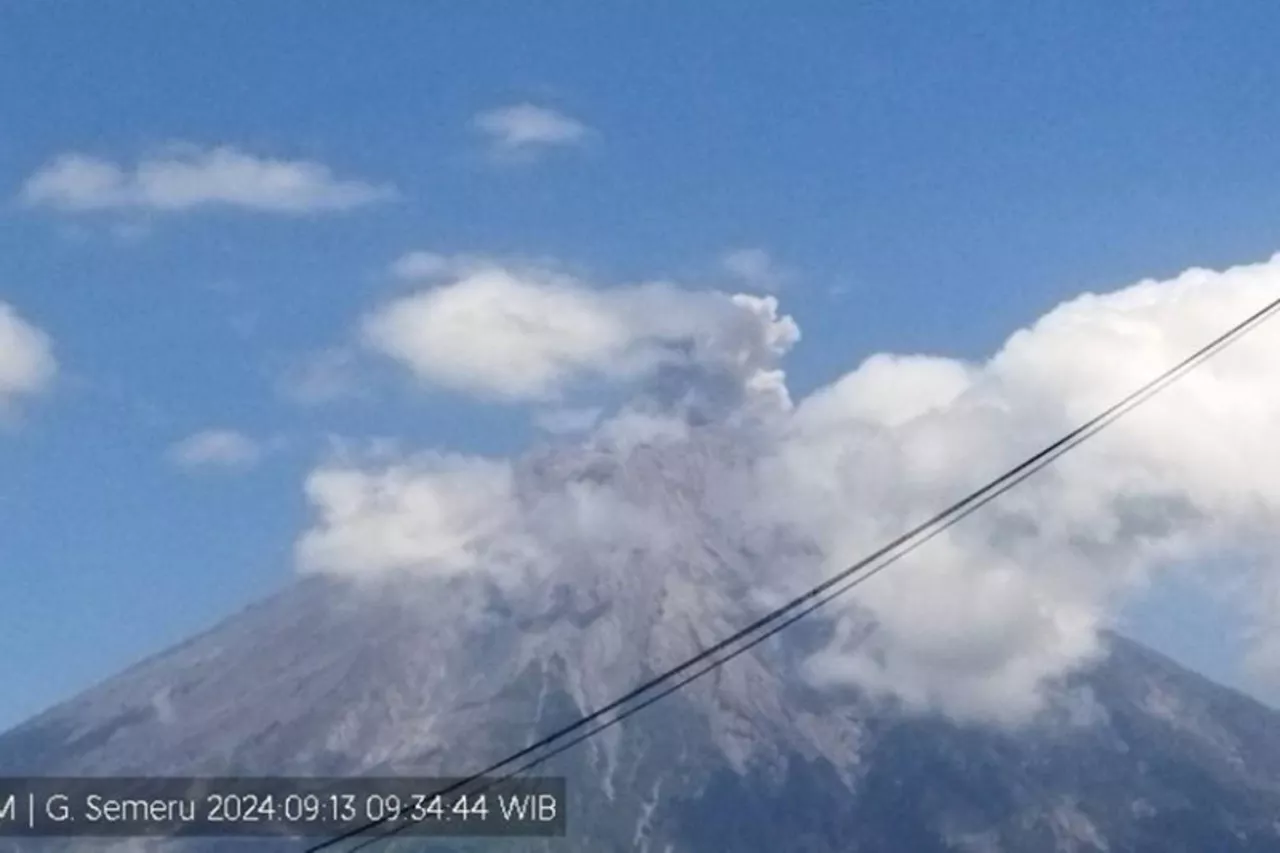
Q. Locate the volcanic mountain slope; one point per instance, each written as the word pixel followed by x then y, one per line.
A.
pixel 439 676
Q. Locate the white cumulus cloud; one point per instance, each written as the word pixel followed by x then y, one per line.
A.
pixel 528 334
pixel 27 365
pixel 186 177
pixel 216 448
pixel 982 619
pixel 429 512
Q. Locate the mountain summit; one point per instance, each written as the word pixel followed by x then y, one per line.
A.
pixel 439 674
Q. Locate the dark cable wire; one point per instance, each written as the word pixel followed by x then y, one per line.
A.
pixel 960 509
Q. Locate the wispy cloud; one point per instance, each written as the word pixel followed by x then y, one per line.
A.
pixel 754 268
pixel 566 421
pixel 423 266
pixel 322 376
pixel 216 448
pixel 187 177
pixel 522 131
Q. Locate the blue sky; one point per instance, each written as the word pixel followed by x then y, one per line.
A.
pixel 931 175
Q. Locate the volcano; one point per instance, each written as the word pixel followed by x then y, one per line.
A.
pixel 439 675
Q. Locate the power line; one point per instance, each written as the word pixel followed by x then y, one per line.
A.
pixel 837 585
pixel 839 590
